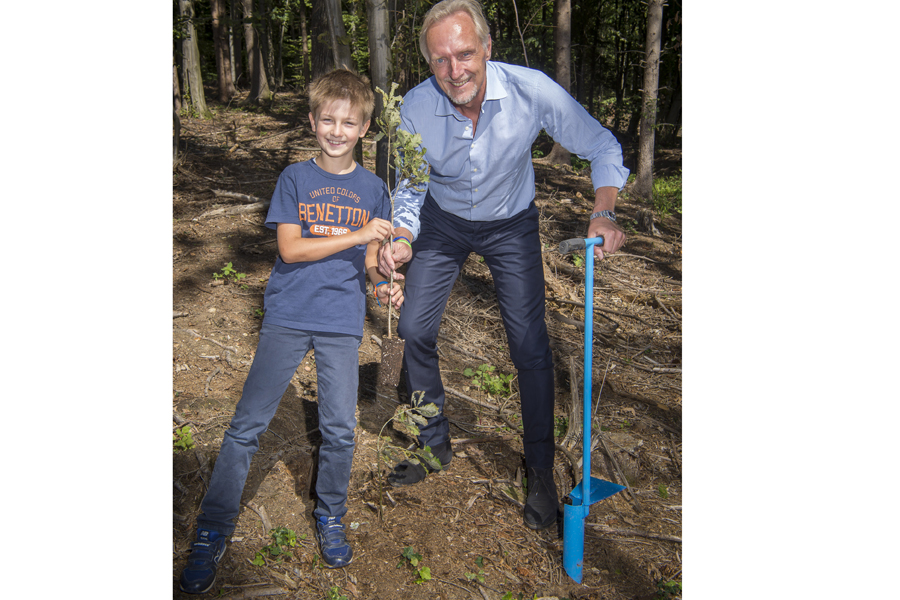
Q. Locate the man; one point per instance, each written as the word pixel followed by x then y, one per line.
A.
pixel 478 120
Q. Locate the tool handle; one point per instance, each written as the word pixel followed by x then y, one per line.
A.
pixel 567 246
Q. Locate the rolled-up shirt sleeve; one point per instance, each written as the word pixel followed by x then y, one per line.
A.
pixel 568 123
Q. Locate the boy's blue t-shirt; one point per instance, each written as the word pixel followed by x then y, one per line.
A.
pixel 327 295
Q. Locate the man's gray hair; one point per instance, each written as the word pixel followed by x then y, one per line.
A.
pixel 444 9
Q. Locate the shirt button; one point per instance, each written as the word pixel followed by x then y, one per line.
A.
pixel 476 189
pixel 474 170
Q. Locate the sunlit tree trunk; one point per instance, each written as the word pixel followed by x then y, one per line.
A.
pixel 305 39
pixel 643 186
pixel 259 84
pixel 190 71
pixel 340 47
pixel 563 51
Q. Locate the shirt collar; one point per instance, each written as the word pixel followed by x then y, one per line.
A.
pixel 494 91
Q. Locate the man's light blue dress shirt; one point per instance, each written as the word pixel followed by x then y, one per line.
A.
pixel 489 176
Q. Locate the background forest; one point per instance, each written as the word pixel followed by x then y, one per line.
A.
pixel 620 59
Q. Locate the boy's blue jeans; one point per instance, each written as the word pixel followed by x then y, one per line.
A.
pixel 278 355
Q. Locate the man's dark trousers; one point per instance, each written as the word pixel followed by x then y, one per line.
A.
pixel 512 251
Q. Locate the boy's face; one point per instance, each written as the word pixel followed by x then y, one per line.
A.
pixel 338 127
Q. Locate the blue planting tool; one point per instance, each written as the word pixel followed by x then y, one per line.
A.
pixel 590 489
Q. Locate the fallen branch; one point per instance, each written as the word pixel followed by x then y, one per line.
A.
pixel 215 372
pixel 634 532
pixel 634 501
pixel 258 592
pixel 263 515
pixel 482 440
pixel 472 400
pixel 210 340
pixel 235 210
pixel 235 195
pixel 599 310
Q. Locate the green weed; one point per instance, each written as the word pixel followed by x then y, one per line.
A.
pixel 413 558
pixel 668 589
pixel 561 426
pixel 663 492
pixel 480 574
pixel 409 419
pixel 335 594
pixel 182 440
pixel 283 539
pixel 228 272
pixel 487 382
pixel 667 195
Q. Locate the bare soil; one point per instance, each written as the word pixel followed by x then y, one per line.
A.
pixel 472 512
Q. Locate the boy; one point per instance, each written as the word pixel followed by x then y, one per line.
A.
pixel 330 217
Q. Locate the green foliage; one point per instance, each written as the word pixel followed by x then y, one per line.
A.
pixel 487 382
pixel 479 562
pixel 411 557
pixel 537 153
pixel 182 440
pixel 579 164
pixel 405 148
pixel 408 418
pixel 561 425
pixel 229 274
pixel 668 589
pixel 663 491
pixel 667 195
pixel 335 594
pixel 283 539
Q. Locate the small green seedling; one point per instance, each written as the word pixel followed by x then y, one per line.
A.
pixel 335 594
pixel 487 382
pixel 663 492
pixel 668 589
pixel 182 440
pixel 480 574
pixel 413 558
pixel 228 272
pixel 284 539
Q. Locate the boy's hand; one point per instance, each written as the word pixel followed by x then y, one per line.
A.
pixel 375 231
pixel 389 261
pixel 396 294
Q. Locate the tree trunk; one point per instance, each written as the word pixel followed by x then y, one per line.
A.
pixel 338 36
pixel 673 117
pixel 563 49
pixel 643 186
pixel 306 56
pixel 264 35
pixel 190 71
pixel 322 56
pixel 259 84
pixel 379 61
pixel 234 42
pixel 223 53
pixel 176 90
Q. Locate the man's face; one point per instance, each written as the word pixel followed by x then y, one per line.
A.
pixel 458 59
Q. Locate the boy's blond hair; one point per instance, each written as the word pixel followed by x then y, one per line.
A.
pixel 342 84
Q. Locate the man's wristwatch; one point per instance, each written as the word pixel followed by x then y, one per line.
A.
pixel 605 213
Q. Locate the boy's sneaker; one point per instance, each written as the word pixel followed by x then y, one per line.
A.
pixel 336 552
pixel 200 573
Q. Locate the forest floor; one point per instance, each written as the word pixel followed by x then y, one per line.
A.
pixel 465 523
